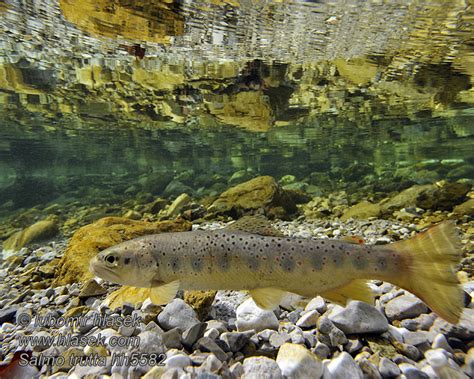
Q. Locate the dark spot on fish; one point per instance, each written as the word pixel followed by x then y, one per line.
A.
pixel 126 261
pixel 381 263
pixel 359 261
pixel 316 262
pixel 337 258
pixel 175 264
pixel 287 264
pixel 253 263
pixel 197 264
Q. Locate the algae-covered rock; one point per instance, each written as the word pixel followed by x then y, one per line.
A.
pixel 364 210
pixel 444 197
pixel 259 194
pixel 201 301
pixel 406 198
pixel 40 230
pixel 466 208
pixel 108 231
pixel 177 205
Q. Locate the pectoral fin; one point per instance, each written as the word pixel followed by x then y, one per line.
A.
pixel 165 293
pixel 355 290
pixel 267 298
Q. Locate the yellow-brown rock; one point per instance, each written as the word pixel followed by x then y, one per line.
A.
pixel 261 193
pixel 38 231
pixel 11 79
pixel 201 301
pixel 357 70
pixel 144 20
pixel 164 79
pixel 108 231
pixel 362 210
pixel 248 110
pixel 466 208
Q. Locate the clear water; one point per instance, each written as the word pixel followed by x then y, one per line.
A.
pixel 361 96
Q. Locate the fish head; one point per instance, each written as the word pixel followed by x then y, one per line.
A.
pixel 123 264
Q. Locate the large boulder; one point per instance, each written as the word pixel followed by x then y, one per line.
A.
pixel 406 198
pixel 89 240
pixel 259 194
pixel 40 230
pixel 443 198
pixel 362 210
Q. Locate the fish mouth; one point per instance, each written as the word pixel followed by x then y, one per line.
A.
pixel 96 268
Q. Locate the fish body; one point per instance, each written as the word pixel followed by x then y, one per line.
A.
pixel 269 266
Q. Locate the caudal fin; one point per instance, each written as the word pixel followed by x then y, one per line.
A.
pixel 431 269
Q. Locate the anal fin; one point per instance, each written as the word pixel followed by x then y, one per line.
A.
pixel 165 293
pixel 267 298
pixel 355 290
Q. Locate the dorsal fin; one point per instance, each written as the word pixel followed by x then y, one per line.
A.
pixel 356 290
pixel 353 239
pixel 255 225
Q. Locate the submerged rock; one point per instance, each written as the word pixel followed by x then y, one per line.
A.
pixel 261 367
pixel 405 306
pixel 359 317
pixel 108 231
pixel 201 301
pixel 405 199
pixel 343 367
pixel 249 316
pixel 465 209
pixel 295 361
pixel 364 210
pixel 177 314
pixel 40 230
pixel 259 194
pixel 444 197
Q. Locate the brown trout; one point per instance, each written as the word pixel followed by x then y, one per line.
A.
pixel 269 265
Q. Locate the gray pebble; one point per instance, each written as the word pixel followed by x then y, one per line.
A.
pixel 206 344
pixel 321 350
pixel 388 369
pixel 250 316
pixel 369 370
pixel 344 366
pixel 440 341
pixel 177 314
pixel 317 304
pixel 412 372
pixel 278 339
pixel 308 320
pixel 261 367
pixel 235 340
pixel 358 317
pixel 212 333
pixel 177 361
pixel 192 334
pixel 172 338
pixel 403 307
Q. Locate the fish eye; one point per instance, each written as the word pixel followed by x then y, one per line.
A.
pixel 111 259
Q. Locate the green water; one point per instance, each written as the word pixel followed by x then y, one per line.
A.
pixel 368 99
